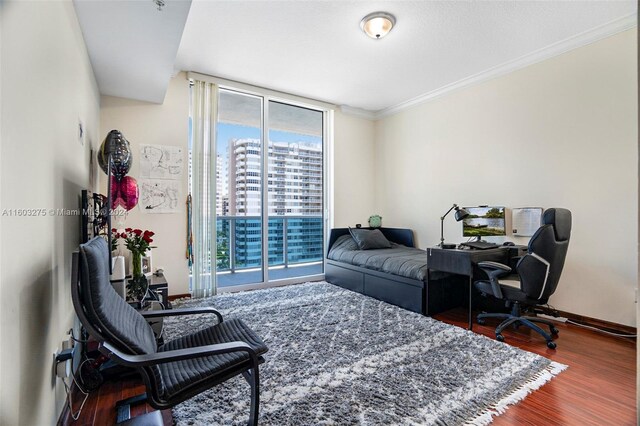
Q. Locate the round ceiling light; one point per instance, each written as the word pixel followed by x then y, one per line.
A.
pixel 377 24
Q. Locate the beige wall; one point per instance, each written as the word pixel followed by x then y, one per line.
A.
pixel 353 168
pixel 47 87
pixel 166 124
pixel 561 133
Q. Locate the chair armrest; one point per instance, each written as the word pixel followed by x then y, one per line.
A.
pixel 488 266
pixel 495 270
pixel 176 355
pixel 181 311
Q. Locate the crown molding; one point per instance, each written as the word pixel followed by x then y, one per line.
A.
pixel 590 36
pixel 358 112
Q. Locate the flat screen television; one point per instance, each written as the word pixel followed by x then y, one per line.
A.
pixel 485 221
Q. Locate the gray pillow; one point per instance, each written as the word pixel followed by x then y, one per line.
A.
pixel 369 239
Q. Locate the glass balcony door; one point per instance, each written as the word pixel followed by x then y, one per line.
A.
pixel 295 191
pixel 268 192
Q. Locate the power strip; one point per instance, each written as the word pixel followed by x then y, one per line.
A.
pixel 552 318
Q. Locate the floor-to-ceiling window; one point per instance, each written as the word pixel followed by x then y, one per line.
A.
pixel 268 192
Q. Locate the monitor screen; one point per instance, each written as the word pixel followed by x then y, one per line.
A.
pixel 483 222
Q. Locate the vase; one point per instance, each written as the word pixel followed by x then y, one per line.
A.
pixel 136 261
pixel 137 285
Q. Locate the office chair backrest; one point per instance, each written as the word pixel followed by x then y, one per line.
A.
pixel 540 269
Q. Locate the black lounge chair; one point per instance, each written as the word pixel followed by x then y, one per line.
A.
pixel 174 371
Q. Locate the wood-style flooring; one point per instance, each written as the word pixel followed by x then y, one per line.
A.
pixel 598 388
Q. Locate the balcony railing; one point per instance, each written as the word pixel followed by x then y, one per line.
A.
pixel 292 240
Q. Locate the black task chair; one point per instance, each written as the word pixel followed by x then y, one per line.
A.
pixel 538 273
pixel 176 370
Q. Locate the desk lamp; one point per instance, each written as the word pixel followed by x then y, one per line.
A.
pixel 459 215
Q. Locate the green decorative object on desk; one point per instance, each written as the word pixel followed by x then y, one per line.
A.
pixel 375 221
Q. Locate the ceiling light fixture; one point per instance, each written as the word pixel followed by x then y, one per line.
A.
pixel 377 24
pixel 159 4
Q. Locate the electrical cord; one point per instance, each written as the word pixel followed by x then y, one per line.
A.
pixel 572 322
pixel 71 335
pixel 75 416
pixel 601 330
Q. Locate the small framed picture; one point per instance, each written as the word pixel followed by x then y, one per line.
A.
pixel 147 269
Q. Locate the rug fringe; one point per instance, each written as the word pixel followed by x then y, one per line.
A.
pixel 518 394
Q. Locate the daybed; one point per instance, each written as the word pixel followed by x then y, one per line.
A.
pixel 397 275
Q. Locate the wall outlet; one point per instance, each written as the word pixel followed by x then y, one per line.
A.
pixel 64 360
pixel 63 369
pixel 67 344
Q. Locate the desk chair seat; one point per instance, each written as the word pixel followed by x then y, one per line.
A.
pixel 510 288
pixel 536 278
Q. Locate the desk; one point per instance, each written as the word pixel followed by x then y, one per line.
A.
pixel 158 284
pixel 464 262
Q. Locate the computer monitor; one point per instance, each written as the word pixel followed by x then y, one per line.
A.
pixel 485 221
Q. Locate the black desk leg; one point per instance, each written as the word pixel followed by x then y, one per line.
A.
pixel 470 304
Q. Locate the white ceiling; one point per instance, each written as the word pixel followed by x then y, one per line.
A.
pixel 315 48
pixel 132 45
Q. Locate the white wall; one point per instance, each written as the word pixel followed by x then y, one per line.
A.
pixel 165 124
pixel 561 133
pixel 47 87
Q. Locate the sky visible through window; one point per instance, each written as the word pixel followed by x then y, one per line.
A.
pixel 228 131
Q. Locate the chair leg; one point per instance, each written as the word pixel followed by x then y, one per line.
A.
pixel 253 378
pixel 540 331
pixel 485 315
pixel 551 325
pixel 506 323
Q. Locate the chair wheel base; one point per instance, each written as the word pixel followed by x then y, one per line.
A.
pixel 554 331
pixel 481 321
pixel 551 345
pixel 499 337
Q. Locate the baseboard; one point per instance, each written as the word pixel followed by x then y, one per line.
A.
pixel 173 297
pixel 593 322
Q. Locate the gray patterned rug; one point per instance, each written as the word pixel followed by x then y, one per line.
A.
pixel 340 358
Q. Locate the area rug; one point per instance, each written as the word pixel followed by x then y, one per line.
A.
pixel 340 358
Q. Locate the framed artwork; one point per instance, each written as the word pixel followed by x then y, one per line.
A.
pixel 147 268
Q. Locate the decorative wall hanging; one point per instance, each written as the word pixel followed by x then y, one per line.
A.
pixel 161 162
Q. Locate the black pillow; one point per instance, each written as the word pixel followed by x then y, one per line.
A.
pixel 369 239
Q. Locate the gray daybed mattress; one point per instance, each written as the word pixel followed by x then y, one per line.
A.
pixel 399 260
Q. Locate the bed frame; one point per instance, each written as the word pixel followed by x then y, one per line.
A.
pixel 426 297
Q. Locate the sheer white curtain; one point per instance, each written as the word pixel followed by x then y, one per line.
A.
pixel 204 98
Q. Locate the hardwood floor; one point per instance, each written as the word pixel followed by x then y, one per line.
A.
pixel 598 388
pixel 100 409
